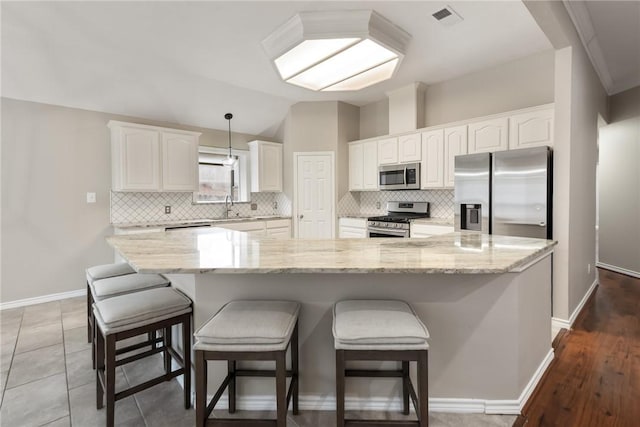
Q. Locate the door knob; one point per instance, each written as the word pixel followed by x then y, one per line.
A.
pixel 301 216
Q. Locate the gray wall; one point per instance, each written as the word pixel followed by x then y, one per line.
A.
pixel 619 184
pixel 579 99
pixel 522 83
pixel 320 126
pixel 52 156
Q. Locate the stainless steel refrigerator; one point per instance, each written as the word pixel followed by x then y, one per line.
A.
pixel 507 193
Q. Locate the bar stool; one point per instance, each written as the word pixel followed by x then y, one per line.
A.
pixel 98 272
pixel 381 330
pixel 248 330
pixel 122 285
pixel 125 316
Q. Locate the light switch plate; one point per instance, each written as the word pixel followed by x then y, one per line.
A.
pixel 91 197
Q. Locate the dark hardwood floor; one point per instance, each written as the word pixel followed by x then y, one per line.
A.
pixel 594 379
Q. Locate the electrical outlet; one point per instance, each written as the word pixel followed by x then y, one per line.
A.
pixel 377 205
pixel 91 197
pixel 589 268
pixel 275 204
pixel 167 209
pixel 254 206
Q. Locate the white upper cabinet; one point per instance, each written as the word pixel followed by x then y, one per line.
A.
pixel 432 173
pixel 531 129
pixel 489 135
pixel 409 148
pixel 370 165
pixel 179 155
pixel 455 143
pixel 363 166
pixel 266 166
pixel 388 151
pixel 151 158
pixel 356 166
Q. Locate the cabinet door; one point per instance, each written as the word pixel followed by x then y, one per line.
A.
pixel 270 158
pixel 139 159
pixel 356 166
pixel 352 233
pixel 388 151
pixel 432 159
pixel 409 148
pixel 489 135
pixel 531 129
pixel 279 233
pixel 179 162
pixel 370 165
pixel 455 143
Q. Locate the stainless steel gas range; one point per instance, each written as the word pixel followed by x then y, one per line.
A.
pixel 396 223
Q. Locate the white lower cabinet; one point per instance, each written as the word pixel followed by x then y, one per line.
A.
pixel 254 228
pixel 352 228
pixel 279 228
pixel 428 230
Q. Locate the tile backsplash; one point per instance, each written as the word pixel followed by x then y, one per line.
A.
pixel 375 202
pixel 149 207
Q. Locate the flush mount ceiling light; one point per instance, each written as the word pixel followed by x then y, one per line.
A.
pixel 336 50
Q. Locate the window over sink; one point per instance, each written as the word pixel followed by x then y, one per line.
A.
pixel 217 180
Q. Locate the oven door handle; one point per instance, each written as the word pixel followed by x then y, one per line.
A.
pixel 391 232
pixel 406 178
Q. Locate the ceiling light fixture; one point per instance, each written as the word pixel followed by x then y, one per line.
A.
pixel 336 50
pixel 230 160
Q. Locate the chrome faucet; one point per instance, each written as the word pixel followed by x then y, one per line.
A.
pixel 228 202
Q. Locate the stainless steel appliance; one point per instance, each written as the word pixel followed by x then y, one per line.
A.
pixel 397 221
pixel 510 192
pixel 399 177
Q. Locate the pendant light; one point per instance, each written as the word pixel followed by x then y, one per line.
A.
pixel 230 160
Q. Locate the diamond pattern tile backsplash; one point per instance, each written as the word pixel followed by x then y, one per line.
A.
pixel 149 207
pixel 375 202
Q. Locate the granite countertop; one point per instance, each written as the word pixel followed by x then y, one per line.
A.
pixel 431 221
pixel 434 221
pixel 201 250
pixel 203 221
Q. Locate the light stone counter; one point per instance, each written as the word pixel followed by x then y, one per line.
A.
pixel 218 250
pixel 199 221
pixel 490 333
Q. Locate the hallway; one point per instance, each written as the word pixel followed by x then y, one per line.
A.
pixel 595 377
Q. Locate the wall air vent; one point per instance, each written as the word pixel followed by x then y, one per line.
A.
pixel 447 16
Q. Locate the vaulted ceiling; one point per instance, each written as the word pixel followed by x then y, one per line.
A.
pixel 191 62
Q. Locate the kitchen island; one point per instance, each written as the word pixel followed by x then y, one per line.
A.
pixel 486 301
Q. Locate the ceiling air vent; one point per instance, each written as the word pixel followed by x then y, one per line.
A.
pixel 447 16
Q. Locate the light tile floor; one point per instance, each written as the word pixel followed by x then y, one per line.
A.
pixel 46 380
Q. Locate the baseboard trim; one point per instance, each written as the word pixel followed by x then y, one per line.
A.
pixel 619 269
pixel 39 300
pixel 558 323
pixel 309 402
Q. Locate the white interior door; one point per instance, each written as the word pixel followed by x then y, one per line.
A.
pixel 314 195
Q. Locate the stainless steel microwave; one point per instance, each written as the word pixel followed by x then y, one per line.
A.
pixel 399 177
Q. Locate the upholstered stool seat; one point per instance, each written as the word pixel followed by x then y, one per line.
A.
pixel 99 272
pixel 120 285
pixel 105 271
pixel 133 314
pixel 248 330
pixel 382 330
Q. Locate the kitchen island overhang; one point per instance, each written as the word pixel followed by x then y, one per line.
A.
pixel 485 299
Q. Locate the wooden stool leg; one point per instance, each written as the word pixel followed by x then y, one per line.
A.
pixel 89 311
pixel 167 341
pixel 294 369
pixel 340 366
pixel 95 333
pixel 405 387
pixel 186 356
pixel 281 389
pixel 231 370
pixel 110 378
pixel 98 343
pixel 201 389
pixel 423 388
